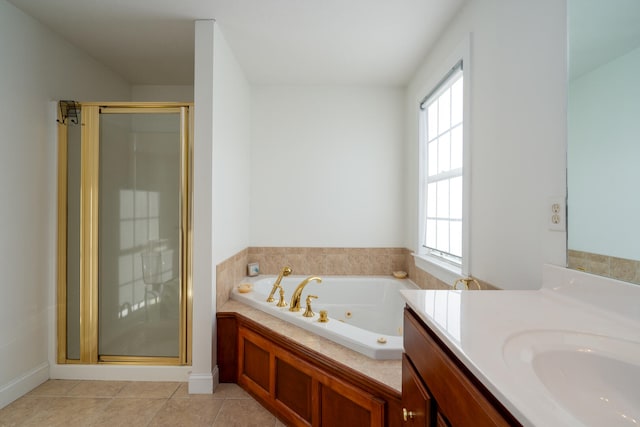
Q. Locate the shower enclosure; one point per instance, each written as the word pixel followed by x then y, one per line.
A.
pixel 124 234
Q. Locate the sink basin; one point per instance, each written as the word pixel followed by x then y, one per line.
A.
pixel 594 379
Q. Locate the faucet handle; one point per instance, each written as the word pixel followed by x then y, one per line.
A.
pixel 308 312
pixel 282 302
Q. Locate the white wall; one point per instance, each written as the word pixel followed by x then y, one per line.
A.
pixel 37 67
pixel 326 166
pixel 518 127
pixel 162 93
pixel 231 152
pixel 603 158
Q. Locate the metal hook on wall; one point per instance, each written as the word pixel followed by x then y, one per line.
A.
pixel 68 110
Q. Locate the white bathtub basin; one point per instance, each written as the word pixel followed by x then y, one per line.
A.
pixel 365 313
pixel 594 378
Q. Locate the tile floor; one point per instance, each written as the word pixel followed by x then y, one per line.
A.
pixel 125 403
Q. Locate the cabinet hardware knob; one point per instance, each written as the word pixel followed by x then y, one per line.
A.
pixel 407 415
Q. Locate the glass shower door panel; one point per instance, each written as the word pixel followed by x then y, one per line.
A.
pixel 139 229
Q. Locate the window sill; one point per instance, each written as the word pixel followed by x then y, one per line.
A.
pixel 439 269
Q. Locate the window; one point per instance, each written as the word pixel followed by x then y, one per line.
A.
pixel 443 159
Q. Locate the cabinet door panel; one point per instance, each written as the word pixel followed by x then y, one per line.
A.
pixel 293 389
pixel 337 410
pixel 416 400
pixel 256 364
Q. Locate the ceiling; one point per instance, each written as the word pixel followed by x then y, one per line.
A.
pixel 368 42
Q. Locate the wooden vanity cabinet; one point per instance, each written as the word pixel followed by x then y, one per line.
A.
pixel 300 392
pixel 437 389
pixel 301 387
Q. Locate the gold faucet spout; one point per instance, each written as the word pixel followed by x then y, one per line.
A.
pixel 465 283
pixel 294 305
pixel 284 272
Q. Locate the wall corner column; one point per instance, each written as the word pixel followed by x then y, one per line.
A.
pixel 201 378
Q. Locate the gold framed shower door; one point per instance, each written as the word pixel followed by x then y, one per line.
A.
pixel 89 236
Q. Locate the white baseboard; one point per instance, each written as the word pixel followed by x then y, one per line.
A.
pixel 204 383
pixel 24 384
pixel 198 383
pixel 119 372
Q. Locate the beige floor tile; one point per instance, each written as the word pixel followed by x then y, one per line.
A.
pixel 149 389
pixel 243 413
pixel 187 413
pixel 230 391
pixel 122 403
pixel 183 393
pixel 68 412
pixel 129 412
pixel 97 388
pixel 280 423
pixel 54 388
pixel 21 410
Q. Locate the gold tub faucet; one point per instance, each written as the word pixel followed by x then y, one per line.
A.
pixel 465 283
pixel 295 298
pixel 284 272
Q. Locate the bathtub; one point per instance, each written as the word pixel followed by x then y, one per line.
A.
pixel 365 313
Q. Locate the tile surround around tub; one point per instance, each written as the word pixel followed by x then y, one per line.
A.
pixel 626 270
pixel 323 261
pixel 330 261
pixel 228 274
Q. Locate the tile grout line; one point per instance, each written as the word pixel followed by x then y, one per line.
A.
pixel 155 414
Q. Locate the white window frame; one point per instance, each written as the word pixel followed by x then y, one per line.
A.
pixel 435 265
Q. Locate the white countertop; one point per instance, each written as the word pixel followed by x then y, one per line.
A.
pixel 484 327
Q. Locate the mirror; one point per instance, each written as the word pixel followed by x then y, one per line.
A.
pixel 603 150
